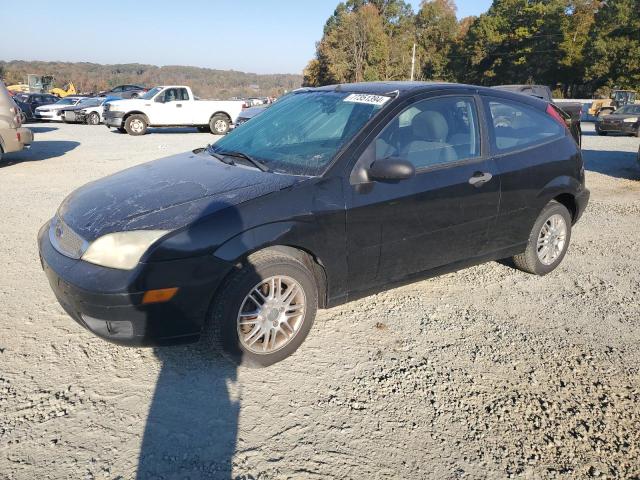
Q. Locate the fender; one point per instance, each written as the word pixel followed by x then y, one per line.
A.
pixel 260 237
pixel 558 186
pixel 280 235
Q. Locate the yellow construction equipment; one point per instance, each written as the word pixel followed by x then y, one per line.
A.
pixel 69 89
pixel 618 99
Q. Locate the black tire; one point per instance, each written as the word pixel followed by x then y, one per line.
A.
pixel 529 261
pixel 1 153
pixel 93 119
pixel 638 131
pixel 600 132
pixel 221 330
pixel 204 129
pixel 136 125
pixel 219 124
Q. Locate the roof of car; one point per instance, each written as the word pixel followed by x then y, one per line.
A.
pixel 406 88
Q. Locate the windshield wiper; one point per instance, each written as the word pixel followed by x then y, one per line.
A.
pixel 256 163
pixel 223 159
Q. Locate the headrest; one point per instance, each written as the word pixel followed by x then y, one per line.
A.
pixel 430 126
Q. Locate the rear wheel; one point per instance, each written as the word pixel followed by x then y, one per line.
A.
pixel 219 124
pixel 93 119
pixel 548 241
pixel 264 311
pixel 136 125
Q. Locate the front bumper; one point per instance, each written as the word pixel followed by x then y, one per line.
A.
pixel 618 127
pixel 108 302
pixel 51 115
pixel 15 139
pixel 113 119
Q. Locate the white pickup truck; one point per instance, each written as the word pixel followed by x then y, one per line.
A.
pixel 171 106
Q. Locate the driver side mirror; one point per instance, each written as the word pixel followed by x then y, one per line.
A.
pixel 391 169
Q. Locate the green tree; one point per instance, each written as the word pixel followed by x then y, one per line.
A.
pixel 436 29
pixel 355 48
pixel 613 48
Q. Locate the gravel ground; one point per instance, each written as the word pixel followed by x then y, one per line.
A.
pixel 485 373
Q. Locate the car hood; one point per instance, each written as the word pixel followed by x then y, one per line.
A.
pixel 128 103
pixel 53 106
pixel 165 194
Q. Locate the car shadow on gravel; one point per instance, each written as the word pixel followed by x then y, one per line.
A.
pixel 41 129
pixel 192 423
pixel 40 150
pixel 612 163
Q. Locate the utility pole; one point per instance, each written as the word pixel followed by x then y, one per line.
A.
pixel 413 61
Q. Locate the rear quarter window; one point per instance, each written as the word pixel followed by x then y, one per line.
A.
pixel 517 125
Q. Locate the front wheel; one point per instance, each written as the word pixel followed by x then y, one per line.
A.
pixel 136 125
pixel 219 124
pixel 93 119
pixel 548 241
pixel 265 310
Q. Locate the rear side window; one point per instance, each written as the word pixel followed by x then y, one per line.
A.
pixel 516 125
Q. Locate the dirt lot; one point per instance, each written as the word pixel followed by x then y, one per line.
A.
pixel 486 373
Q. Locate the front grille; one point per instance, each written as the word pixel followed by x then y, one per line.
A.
pixel 65 240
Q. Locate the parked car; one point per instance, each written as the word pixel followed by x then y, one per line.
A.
pixel 625 120
pixel 125 91
pixel 330 194
pixel 249 113
pixel 570 111
pixel 171 105
pixel 53 112
pixel 13 137
pixel 28 102
pixel 89 111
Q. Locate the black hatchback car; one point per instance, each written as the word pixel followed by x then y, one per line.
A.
pixel 329 195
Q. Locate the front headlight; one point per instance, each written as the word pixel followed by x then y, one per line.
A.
pixel 630 120
pixel 122 250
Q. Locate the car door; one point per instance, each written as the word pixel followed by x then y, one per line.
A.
pixel 529 152
pixel 169 108
pixel 439 216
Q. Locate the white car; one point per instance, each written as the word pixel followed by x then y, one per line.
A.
pixel 53 112
pixel 89 111
pixel 171 106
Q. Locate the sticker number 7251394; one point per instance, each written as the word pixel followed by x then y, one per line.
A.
pixel 367 98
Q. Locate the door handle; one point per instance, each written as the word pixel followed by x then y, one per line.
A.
pixel 480 178
pixel 178 105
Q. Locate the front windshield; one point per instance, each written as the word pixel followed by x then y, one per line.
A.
pixel 301 134
pixel 66 101
pixel 151 93
pixel 632 109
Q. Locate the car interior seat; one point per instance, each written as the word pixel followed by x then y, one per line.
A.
pixel 429 145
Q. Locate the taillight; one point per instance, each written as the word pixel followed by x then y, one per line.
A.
pixel 556 116
pixel 16 116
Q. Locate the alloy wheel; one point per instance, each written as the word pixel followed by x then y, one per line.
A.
pixel 552 239
pixel 271 314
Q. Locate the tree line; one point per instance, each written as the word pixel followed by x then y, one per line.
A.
pixel 206 82
pixel 580 48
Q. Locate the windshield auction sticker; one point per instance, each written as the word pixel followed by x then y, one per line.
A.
pixel 367 98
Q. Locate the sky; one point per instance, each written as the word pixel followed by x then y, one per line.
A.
pixel 268 36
